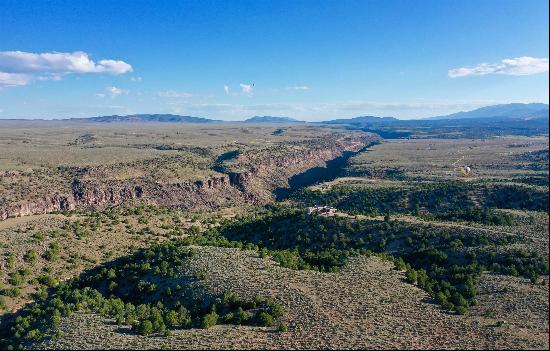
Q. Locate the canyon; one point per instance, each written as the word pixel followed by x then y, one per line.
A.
pixel 251 178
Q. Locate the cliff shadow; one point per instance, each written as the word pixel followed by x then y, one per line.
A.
pixel 332 170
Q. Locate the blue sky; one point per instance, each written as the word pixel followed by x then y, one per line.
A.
pixel 311 60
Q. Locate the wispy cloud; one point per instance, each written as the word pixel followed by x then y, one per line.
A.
pixel 519 66
pixel 113 92
pixel 174 94
pixel 226 89
pixel 20 68
pixel 247 88
pixel 136 79
pixel 14 79
pixel 300 87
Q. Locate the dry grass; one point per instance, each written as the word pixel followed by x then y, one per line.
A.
pixel 436 159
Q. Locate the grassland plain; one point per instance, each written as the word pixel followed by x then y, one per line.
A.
pixel 369 300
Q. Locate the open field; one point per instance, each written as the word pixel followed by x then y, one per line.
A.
pixel 51 144
pixel 431 159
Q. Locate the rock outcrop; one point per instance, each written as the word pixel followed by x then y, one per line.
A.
pixel 272 169
pixel 40 206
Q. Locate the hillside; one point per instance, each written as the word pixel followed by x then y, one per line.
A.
pixel 506 111
pixel 362 120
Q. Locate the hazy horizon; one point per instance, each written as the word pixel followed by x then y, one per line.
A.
pixel 238 119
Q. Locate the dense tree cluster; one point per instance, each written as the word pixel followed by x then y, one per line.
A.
pixel 146 290
pixel 440 200
pixel 443 261
pixel 477 215
pixel 541 180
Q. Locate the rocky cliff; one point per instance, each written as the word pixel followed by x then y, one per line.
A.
pixel 39 206
pixel 272 168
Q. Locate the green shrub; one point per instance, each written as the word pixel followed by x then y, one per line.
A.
pixel 30 256
pixel 411 276
pixel 53 253
pixel 47 280
pixel 209 320
pixel 12 292
pixel 283 327
pixel 242 316
pixel 265 319
pixel 144 327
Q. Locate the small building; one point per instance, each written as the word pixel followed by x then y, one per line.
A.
pixel 322 210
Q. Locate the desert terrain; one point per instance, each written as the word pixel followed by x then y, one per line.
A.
pixel 217 211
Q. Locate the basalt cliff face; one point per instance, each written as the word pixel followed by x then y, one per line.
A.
pixel 212 192
pixel 269 170
pixel 38 206
pixel 259 174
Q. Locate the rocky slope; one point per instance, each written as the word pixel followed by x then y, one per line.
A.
pixel 259 172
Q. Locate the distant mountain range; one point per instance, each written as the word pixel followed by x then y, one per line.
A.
pixel 495 113
pixel 362 120
pixel 505 111
pixel 272 119
pixel 179 119
pixel 514 111
pixel 146 118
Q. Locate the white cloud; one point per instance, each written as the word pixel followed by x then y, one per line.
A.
pixel 246 88
pixel 226 89
pixel 113 67
pixel 14 79
pixel 300 87
pixel 113 92
pixel 58 62
pixel 136 79
pixel 519 66
pixel 20 68
pixel 174 94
